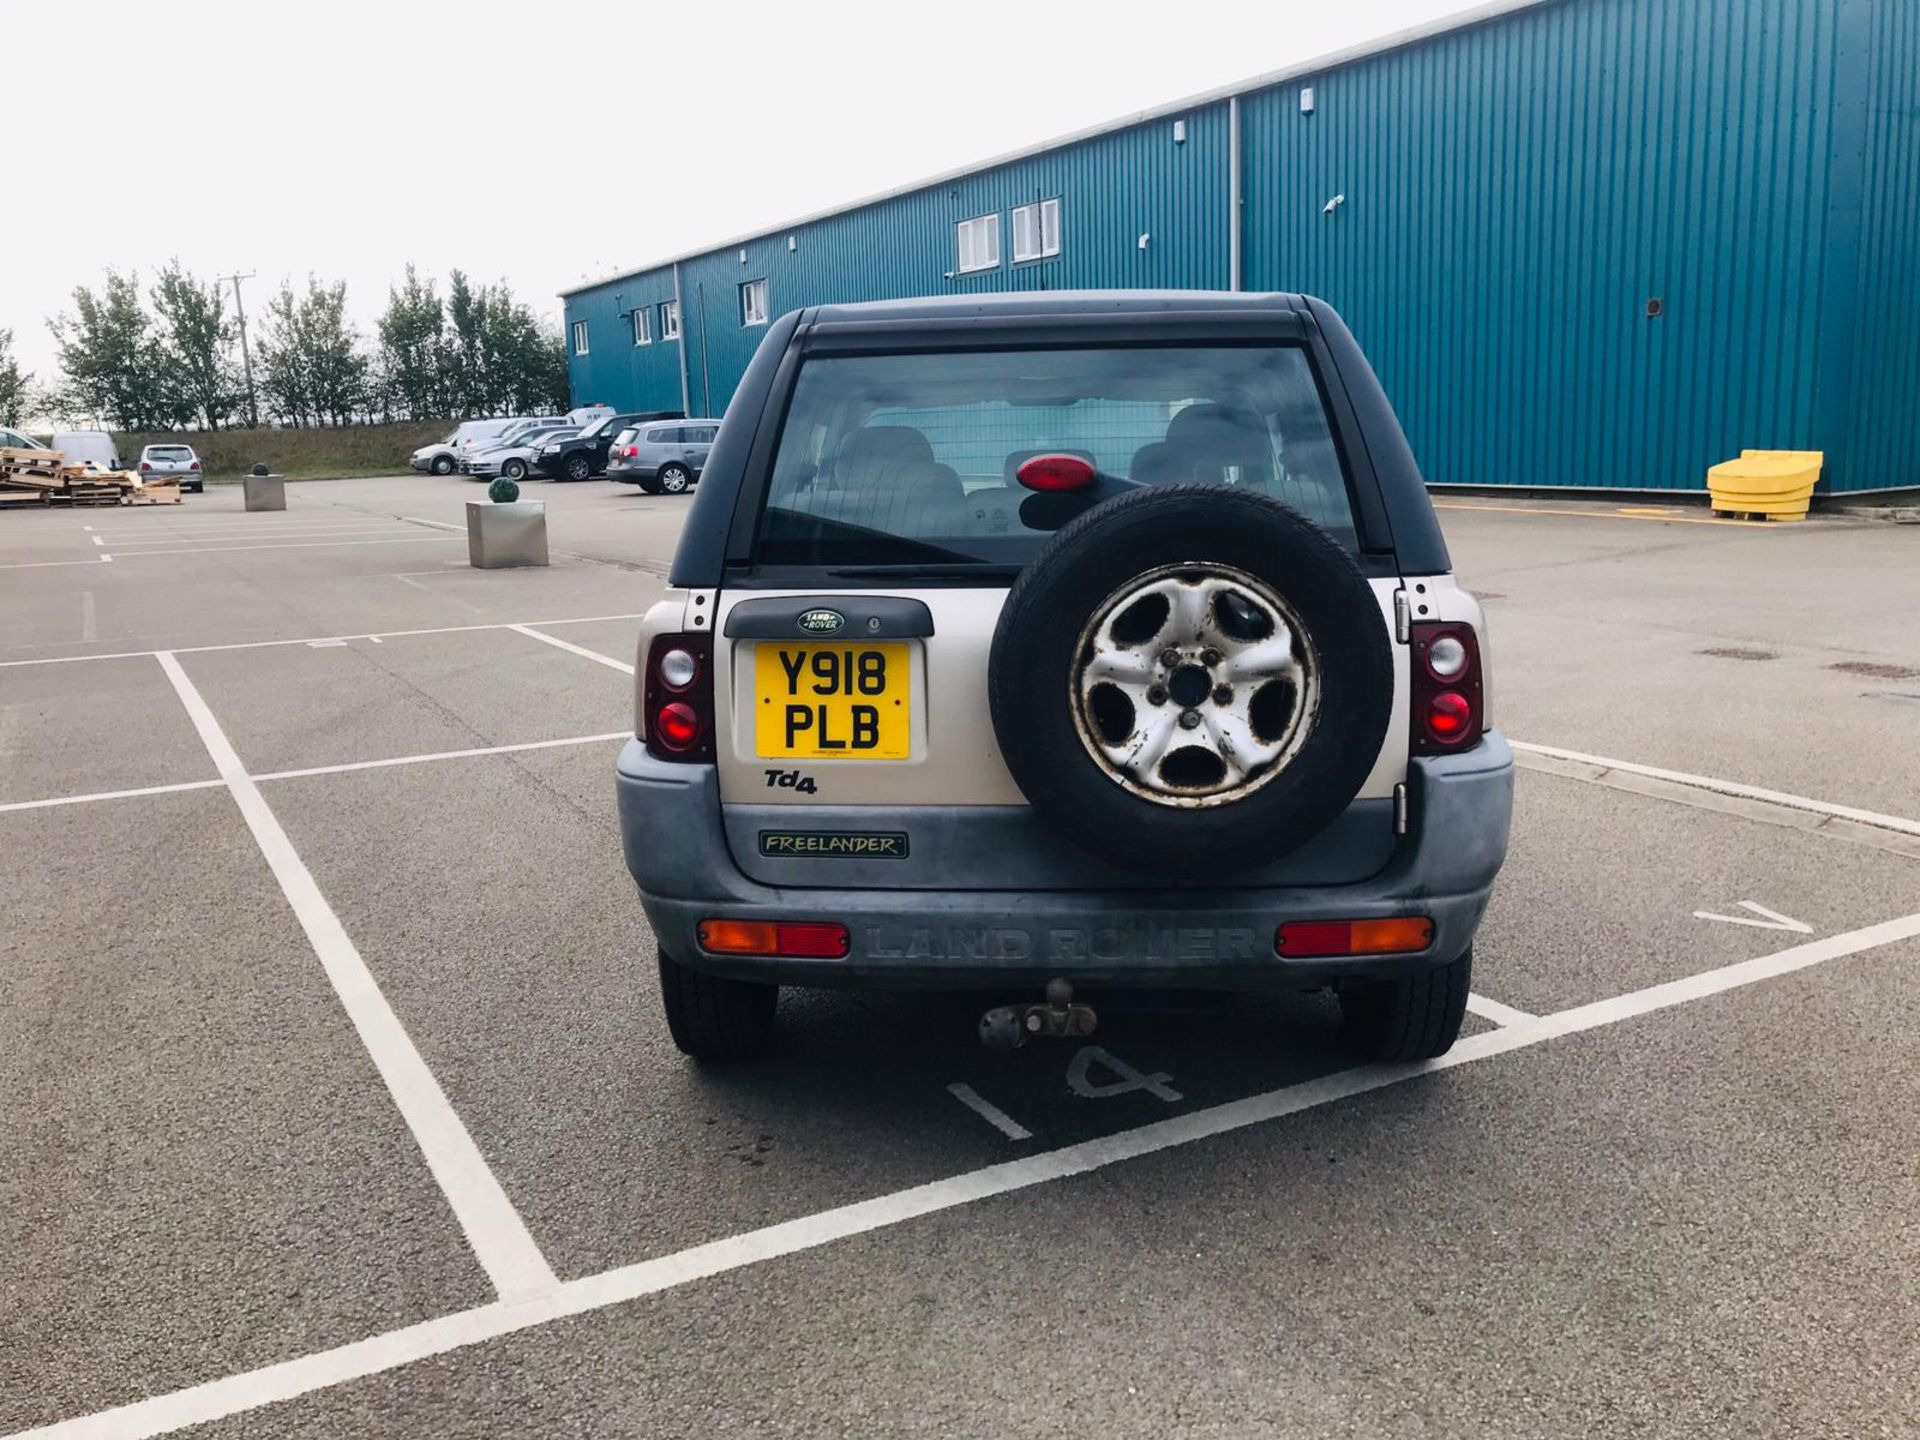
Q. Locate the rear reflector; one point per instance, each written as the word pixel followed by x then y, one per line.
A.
pixel 801 939
pixel 1300 939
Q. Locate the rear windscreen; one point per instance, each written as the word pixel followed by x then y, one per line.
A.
pixel 905 459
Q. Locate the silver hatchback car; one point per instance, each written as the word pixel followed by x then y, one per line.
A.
pixel 173 462
pixel 663 458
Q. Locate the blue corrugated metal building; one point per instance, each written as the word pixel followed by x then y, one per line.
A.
pixel 1587 243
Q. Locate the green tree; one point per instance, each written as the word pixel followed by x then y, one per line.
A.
pixel 196 344
pixel 16 385
pixel 312 368
pixel 465 367
pixel 412 361
pixel 112 367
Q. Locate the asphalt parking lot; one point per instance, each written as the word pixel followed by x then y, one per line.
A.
pixel 334 1097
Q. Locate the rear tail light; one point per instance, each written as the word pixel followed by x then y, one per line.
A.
pixel 805 940
pixel 145 468
pixel 195 467
pixel 1449 701
pixel 631 451
pixel 1305 939
pixel 676 698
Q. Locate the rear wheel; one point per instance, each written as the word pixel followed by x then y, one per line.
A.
pixel 579 467
pixel 674 479
pixel 712 1018
pixel 443 464
pixel 1409 1017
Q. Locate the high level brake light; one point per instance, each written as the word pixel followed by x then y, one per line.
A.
pixel 1449 702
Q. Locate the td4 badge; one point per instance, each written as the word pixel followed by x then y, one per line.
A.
pixel 791 780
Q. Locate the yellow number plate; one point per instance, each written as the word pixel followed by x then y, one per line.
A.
pixel 832 702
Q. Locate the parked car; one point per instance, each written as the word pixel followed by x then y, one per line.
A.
pixel 514 459
pixel 1056 639
pixel 509 431
pixel 443 456
pixel 587 414
pixel 583 456
pixel 11 439
pixel 88 447
pixel 173 462
pixel 663 459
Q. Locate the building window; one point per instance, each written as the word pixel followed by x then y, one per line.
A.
pixel 1036 230
pixel 579 337
pixel 977 243
pixel 669 319
pixel 642 325
pixel 753 303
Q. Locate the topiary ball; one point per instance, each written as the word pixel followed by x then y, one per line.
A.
pixel 503 491
pixel 261 470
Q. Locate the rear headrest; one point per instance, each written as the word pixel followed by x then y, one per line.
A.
pixel 884 446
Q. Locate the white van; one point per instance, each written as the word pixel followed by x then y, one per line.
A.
pixel 93 448
pixel 443 456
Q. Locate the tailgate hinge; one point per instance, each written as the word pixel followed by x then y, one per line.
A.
pixel 1400 808
pixel 1402 617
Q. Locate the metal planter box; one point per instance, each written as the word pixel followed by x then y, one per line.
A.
pixel 502 536
pixel 266 492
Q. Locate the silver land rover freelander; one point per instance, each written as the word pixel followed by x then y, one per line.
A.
pixel 1042 643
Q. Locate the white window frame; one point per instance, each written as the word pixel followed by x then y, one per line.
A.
pixel 669 319
pixel 753 302
pixel 580 337
pixel 643 325
pixel 976 244
pixel 1041 222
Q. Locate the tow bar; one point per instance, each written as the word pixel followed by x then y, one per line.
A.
pixel 1008 1027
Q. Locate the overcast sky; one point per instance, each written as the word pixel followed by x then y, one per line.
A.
pixel 541 144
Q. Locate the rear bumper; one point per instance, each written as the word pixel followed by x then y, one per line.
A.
pixel 1460 809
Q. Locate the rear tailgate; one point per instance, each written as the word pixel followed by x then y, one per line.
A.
pixel 862 753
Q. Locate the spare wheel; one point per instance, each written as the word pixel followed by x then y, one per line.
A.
pixel 1191 680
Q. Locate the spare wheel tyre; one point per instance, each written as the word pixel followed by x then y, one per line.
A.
pixel 1190 680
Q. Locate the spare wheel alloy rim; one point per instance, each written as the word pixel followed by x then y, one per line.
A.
pixel 1193 685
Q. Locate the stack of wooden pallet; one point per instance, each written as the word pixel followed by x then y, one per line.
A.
pixel 42 477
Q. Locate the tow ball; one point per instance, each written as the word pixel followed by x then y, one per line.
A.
pixel 1008 1027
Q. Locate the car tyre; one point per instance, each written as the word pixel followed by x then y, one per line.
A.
pixel 674 479
pixel 652 487
pixel 443 464
pixel 712 1018
pixel 1406 1018
pixel 579 467
pixel 515 470
pixel 199 487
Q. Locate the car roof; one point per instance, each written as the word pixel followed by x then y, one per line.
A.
pixel 1060 304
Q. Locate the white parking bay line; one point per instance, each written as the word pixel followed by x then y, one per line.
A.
pixel 375 636
pixel 338 769
pixel 568 645
pixel 57 800
pixel 1497 1013
pixel 493 1227
pixel 287 545
pixel 1729 787
pixel 237 1394
pixel 447 755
